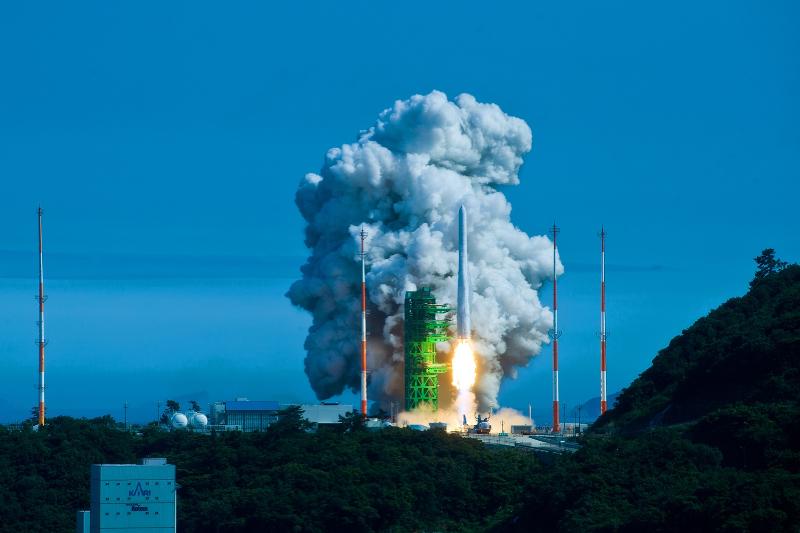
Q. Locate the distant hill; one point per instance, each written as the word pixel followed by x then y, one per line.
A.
pixel 589 411
pixel 745 351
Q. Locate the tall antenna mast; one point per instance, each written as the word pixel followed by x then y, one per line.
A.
pixel 555 333
pixel 363 329
pixel 41 342
pixel 603 404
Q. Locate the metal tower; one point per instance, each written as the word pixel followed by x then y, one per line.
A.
pixel 603 404
pixel 41 342
pixel 555 333
pixel 363 329
pixel 423 329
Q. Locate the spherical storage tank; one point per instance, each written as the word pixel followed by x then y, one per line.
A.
pixel 198 420
pixel 179 420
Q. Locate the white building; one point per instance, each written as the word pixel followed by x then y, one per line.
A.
pixel 132 498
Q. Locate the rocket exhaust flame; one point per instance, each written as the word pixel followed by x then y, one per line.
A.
pixel 464 367
pixel 464 374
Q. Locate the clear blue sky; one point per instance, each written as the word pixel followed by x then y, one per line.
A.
pixel 165 142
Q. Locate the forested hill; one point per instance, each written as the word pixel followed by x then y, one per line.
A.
pixel 746 351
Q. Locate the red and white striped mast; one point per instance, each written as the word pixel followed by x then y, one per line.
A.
pixel 555 333
pixel 363 329
pixel 603 404
pixel 41 342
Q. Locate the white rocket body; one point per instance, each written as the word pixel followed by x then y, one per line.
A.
pixel 462 313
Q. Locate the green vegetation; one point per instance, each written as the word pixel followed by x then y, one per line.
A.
pixel 707 439
pixel 281 480
pixel 746 351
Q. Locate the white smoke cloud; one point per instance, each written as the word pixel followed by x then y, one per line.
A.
pixel 404 180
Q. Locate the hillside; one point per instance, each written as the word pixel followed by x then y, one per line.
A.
pixel 707 439
pixel 745 351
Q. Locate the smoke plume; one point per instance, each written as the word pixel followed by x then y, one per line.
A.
pixel 404 180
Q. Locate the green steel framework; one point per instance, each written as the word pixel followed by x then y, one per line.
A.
pixel 423 329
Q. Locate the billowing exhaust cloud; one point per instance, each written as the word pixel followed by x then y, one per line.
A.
pixel 404 180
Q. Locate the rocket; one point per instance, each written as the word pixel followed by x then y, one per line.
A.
pixel 462 312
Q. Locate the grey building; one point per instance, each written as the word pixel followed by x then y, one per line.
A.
pixel 216 414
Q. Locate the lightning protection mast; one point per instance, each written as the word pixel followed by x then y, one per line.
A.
pixel 363 328
pixel 555 333
pixel 603 404
pixel 41 342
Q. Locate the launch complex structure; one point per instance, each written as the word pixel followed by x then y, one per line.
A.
pixel 427 323
pixel 424 327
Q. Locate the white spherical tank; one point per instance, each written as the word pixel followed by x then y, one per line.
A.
pixel 198 420
pixel 179 420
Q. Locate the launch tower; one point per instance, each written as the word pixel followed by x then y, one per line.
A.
pixel 423 329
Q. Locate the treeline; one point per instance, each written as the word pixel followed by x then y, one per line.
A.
pixel 284 479
pixel 733 478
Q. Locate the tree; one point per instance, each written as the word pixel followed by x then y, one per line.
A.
pixel 290 420
pixel 171 408
pixel 195 406
pixel 352 421
pixel 767 264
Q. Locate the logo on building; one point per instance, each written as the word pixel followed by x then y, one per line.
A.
pixel 139 491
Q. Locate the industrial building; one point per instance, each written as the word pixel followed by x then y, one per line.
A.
pixel 251 415
pixel 256 415
pixel 131 498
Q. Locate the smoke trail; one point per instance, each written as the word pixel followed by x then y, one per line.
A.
pixel 404 179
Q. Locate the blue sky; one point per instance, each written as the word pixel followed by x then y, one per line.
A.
pixel 166 142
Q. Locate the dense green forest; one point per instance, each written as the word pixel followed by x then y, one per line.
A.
pixel 745 351
pixel 281 480
pixel 707 439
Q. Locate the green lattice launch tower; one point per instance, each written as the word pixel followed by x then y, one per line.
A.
pixel 423 329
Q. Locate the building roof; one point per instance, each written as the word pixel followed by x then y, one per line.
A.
pixel 251 406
